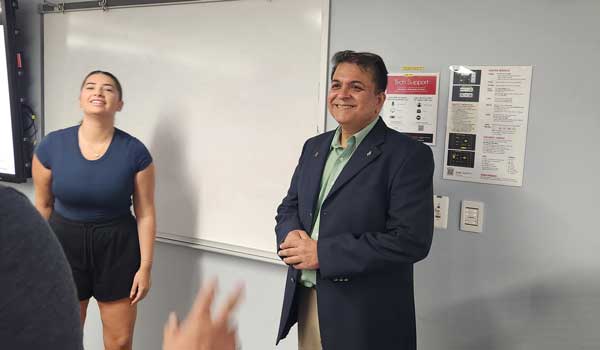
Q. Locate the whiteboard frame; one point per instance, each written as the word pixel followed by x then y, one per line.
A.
pixel 320 119
pixel 218 247
pixel 62 7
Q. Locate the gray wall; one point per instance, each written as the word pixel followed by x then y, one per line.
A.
pixel 530 280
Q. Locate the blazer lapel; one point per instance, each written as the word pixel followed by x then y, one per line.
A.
pixel 366 153
pixel 316 164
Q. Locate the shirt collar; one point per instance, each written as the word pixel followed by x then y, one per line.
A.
pixel 355 139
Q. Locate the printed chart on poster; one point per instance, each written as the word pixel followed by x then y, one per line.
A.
pixel 411 105
pixel 488 108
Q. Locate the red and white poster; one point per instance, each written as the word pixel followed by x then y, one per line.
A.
pixel 411 105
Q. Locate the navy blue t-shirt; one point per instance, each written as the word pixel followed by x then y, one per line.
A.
pixel 92 190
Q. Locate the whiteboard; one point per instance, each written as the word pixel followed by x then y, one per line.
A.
pixel 223 94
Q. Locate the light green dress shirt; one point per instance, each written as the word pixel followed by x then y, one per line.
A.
pixel 336 161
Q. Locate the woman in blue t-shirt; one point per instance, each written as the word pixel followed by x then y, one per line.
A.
pixel 86 178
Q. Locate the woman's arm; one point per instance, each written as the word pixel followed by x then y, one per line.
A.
pixel 145 213
pixel 42 182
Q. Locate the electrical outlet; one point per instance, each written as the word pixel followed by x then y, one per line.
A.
pixel 440 211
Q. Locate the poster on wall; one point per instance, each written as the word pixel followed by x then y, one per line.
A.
pixel 488 108
pixel 411 105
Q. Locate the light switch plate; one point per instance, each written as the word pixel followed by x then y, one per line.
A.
pixel 440 211
pixel 471 216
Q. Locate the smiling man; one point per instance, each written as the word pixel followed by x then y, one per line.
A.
pixel 357 216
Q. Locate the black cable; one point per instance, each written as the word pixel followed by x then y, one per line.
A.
pixel 30 129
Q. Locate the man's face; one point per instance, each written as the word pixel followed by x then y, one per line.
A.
pixel 352 99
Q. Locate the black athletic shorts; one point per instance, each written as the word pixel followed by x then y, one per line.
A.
pixel 104 256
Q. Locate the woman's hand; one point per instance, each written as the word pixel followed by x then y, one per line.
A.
pixel 141 285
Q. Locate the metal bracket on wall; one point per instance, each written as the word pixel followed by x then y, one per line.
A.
pixel 57 7
pixel 103 4
pixel 51 7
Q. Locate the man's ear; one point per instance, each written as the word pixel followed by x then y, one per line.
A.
pixel 380 101
pixel 382 97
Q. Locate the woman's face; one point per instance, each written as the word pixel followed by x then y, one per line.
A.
pixel 99 96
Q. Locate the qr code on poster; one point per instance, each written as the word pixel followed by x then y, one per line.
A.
pixel 450 171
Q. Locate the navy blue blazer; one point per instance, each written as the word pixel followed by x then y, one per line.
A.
pixel 376 222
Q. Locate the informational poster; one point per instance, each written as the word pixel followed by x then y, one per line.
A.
pixel 411 105
pixel 488 108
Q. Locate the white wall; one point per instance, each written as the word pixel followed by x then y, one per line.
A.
pixel 530 281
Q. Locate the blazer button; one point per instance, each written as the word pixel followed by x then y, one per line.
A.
pixel 324 213
pixel 292 279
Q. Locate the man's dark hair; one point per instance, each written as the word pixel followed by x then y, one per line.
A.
pixel 108 74
pixel 368 62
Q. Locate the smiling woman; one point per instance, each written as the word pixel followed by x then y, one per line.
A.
pixel 101 95
pixel 86 178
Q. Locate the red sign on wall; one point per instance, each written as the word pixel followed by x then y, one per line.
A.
pixel 412 85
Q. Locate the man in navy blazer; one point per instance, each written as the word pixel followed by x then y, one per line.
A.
pixel 357 216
